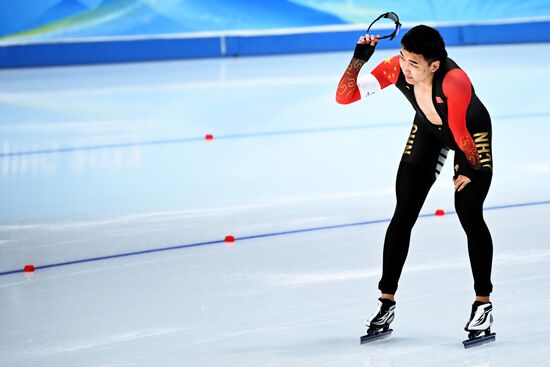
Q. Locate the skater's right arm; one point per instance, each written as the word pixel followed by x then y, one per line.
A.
pixel 353 87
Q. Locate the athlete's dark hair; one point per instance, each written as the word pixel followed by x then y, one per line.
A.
pixel 425 41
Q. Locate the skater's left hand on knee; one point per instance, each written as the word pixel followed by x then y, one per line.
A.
pixel 460 181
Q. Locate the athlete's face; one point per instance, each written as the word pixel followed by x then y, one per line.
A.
pixel 416 68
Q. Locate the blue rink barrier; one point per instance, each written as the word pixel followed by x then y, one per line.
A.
pixel 119 50
pixel 107 51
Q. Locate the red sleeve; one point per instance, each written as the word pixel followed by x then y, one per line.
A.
pixel 386 73
pixel 347 91
pixel 458 90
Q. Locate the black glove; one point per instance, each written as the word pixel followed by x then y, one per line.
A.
pixel 363 51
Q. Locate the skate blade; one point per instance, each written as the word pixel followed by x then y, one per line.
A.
pixel 473 342
pixel 369 338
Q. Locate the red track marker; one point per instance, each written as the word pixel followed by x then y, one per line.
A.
pixel 29 268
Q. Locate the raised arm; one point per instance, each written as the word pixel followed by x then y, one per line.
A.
pixel 348 88
pixel 353 87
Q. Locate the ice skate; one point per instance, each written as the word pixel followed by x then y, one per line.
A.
pixel 480 323
pixel 379 322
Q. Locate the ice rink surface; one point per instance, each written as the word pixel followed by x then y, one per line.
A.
pixel 109 188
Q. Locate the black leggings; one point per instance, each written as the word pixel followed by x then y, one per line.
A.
pixel 412 186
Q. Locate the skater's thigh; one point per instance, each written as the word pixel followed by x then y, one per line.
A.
pixel 470 199
pixel 412 186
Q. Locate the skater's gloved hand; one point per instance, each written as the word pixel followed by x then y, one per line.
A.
pixel 462 177
pixel 464 169
pixel 365 47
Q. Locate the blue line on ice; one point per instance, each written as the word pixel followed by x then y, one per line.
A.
pixel 283 233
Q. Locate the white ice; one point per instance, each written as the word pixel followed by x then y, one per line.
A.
pixel 106 160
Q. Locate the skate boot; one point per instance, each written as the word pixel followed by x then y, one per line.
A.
pixel 379 323
pixel 480 323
